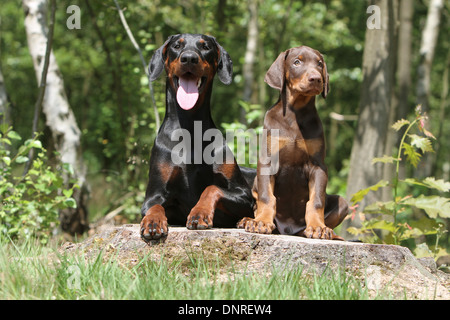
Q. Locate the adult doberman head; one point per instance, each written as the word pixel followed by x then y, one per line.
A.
pixel 191 62
pixel 299 71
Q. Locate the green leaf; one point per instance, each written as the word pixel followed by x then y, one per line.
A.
pixel 411 155
pixel 422 251
pixel 385 159
pixel 433 205
pixel 381 224
pixel 14 135
pixel 354 231
pixel 36 144
pixel 380 207
pixel 68 193
pixel 421 143
pixel 7 160
pixel 431 182
pixel 4 140
pixel 359 196
pixel 21 159
pixel 400 124
pixel 426 225
pixel 71 203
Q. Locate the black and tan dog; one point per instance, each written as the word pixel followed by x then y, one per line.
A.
pixel 192 192
pixel 294 200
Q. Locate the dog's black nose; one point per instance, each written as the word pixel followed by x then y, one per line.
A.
pixel 315 78
pixel 189 57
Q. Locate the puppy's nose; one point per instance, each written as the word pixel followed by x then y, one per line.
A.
pixel 189 57
pixel 315 78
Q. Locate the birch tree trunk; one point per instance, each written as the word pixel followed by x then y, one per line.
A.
pixel 427 48
pixel 4 106
pixel 59 116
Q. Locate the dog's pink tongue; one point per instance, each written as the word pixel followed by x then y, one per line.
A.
pixel 187 93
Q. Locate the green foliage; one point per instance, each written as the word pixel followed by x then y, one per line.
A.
pixel 437 207
pixel 245 137
pixel 30 203
pixel 108 90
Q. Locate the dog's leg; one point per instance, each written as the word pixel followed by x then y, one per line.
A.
pixel 154 224
pixel 315 207
pixel 265 207
pixel 202 214
pixel 336 209
pixel 226 194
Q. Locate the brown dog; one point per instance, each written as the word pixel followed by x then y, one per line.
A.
pixel 293 200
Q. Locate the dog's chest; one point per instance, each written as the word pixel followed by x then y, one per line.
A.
pixel 296 151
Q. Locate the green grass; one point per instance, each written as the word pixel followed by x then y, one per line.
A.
pixel 31 271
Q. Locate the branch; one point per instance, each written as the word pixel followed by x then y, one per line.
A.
pixel 136 46
pixel 43 84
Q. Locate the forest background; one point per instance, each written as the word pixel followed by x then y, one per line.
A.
pixel 383 61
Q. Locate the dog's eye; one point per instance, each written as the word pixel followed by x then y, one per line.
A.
pixel 177 46
pixel 297 62
pixel 205 46
pixel 320 64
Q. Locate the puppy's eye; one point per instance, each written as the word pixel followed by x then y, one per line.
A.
pixel 177 46
pixel 297 62
pixel 205 46
pixel 320 64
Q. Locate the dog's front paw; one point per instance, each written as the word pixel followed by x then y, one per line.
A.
pixel 200 218
pixel 256 226
pixel 321 233
pixel 154 224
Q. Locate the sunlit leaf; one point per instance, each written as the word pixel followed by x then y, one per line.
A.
pixel 422 251
pixel 21 159
pixel 433 205
pixel 380 207
pixel 385 159
pixel 7 160
pixel 421 143
pixel 400 124
pixel 14 135
pixel 431 182
pixel 359 196
pixel 381 224
pixel 412 156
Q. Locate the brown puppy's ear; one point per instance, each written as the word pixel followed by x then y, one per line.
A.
pixel 275 75
pixel 326 80
pixel 156 64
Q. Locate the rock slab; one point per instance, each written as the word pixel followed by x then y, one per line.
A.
pixel 382 268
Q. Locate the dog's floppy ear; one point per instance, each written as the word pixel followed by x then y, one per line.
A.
pixel 156 64
pixel 275 75
pixel 224 65
pixel 326 80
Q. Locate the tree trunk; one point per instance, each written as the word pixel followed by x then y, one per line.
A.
pixel 404 58
pixel 59 116
pixel 374 108
pixel 4 105
pixel 391 135
pixel 427 48
pixel 250 55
